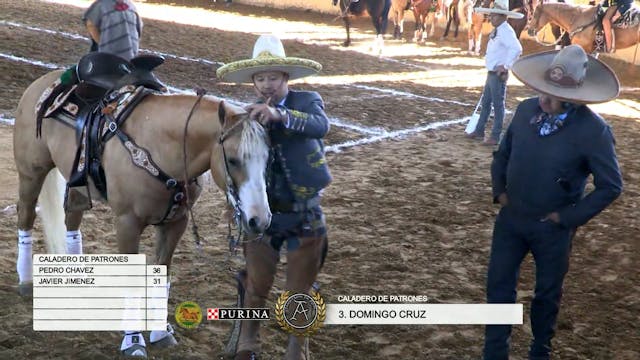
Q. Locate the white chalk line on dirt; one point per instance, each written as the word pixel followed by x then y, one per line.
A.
pixel 86 39
pixel 409 95
pixel 334 121
pixel 394 134
pixel 390 92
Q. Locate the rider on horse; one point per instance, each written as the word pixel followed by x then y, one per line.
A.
pixel 297 173
pixel 615 9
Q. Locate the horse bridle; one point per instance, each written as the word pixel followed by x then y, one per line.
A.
pixel 233 198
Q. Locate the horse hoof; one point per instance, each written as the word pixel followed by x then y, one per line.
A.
pixel 25 289
pixel 166 342
pixel 346 43
pixel 135 351
pixel 246 355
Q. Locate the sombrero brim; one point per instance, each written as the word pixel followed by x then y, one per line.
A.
pixel 600 83
pixel 242 71
pixel 509 14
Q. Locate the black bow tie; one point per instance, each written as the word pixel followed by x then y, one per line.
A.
pixel 493 33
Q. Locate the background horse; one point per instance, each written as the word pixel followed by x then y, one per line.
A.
pixel 398 7
pixel 556 30
pixel 421 11
pixel 450 8
pixel 220 137
pixel 476 21
pixel 377 9
pixel 581 23
pixel 518 25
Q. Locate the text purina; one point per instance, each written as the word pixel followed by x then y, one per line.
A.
pixel 243 314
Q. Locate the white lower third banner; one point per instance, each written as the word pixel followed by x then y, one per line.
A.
pixel 412 314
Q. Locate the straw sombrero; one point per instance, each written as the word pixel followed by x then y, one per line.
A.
pixel 500 7
pixel 569 75
pixel 268 55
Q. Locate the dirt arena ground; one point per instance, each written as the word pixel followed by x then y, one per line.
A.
pixel 408 214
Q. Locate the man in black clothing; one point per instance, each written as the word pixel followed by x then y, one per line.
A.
pixel 539 173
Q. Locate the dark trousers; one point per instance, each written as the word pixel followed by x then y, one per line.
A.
pixel 513 237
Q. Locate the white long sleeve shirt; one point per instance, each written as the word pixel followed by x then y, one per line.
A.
pixel 503 49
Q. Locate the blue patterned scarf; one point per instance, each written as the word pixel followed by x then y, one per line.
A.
pixel 549 124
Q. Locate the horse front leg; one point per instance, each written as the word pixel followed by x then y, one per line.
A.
pixel 303 266
pixel 167 237
pixel 254 286
pixel 128 230
pixel 347 25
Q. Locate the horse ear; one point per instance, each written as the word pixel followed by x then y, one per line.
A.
pixel 221 113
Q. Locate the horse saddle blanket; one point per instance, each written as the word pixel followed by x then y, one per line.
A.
pixel 629 19
pixel 95 123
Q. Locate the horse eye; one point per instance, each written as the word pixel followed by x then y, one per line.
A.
pixel 233 162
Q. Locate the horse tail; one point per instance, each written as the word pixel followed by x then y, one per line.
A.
pixel 52 212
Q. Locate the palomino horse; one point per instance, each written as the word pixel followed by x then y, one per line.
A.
pixel 476 21
pixel 398 7
pixel 580 22
pixel 560 35
pixel 377 9
pixel 421 11
pixel 219 137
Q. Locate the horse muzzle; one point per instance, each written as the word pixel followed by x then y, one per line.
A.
pixel 256 224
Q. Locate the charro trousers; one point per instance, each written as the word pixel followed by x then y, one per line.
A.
pixel 550 244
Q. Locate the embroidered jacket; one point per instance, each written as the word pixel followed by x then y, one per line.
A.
pixel 299 170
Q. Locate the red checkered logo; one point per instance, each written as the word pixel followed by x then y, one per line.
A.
pixel 213 314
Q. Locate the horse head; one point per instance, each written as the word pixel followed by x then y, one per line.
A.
pixel 536 22
pixel 242 158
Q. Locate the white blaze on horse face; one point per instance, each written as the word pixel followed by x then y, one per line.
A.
pixel 254 152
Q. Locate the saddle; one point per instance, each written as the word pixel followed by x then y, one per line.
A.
pixel 95 97
pixel 629 19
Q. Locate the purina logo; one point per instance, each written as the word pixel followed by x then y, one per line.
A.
pixel 238 314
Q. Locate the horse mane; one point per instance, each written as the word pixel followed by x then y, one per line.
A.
pixel 253 140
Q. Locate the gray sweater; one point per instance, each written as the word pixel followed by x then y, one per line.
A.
pixel 120 29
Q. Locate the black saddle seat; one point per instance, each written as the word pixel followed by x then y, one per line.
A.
pixel 108 71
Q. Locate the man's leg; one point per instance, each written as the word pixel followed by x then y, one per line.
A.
pixel 486 107
pixel 507 251
pixel 551 249
pixel 498 94
pixel 606 27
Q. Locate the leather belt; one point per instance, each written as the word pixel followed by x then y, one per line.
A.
pixel 296 206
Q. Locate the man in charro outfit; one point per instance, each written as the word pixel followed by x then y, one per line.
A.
pixel 552 146
pixel 297 173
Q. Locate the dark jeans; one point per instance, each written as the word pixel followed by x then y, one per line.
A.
pixel 513 237
pixel 495 91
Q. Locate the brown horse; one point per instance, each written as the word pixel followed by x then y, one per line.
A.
pixel 219 137
pixel 518 25
pixel 560 35
pixel 377 9
pixel 476 21
pixel 580 22
pixel 450 8
pixel 421 11
pixel 398 7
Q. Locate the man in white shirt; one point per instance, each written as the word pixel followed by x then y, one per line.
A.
pixel 503 50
